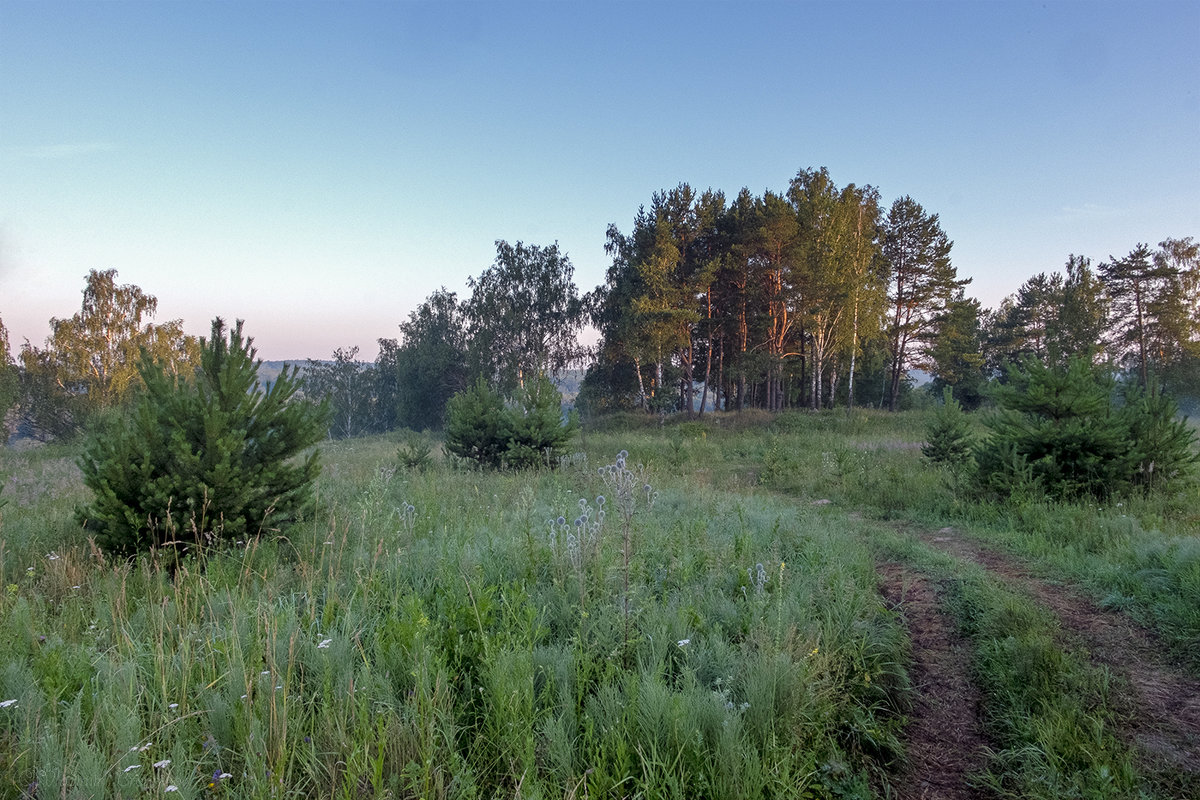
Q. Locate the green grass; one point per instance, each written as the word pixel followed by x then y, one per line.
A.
pixel 424 635
pixel 433 632
pixel 1048 713
pixel 1137 554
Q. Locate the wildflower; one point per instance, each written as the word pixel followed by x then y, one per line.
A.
pixel 132 767
pixel 8 703
pixel 684 642
pixel 171 788
pixel 324 645
pixel 164 763
pixel 52 556
pixel 173 706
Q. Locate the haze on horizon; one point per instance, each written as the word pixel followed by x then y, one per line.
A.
pixel 318 169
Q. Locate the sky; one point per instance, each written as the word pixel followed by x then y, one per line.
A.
pixel 318 169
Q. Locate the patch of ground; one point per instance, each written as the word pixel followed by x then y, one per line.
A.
pixel 1161 715
pixel 944 735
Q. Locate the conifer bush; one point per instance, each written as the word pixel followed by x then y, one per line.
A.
pixel 538 434
pixel 528 432
pixel 1059 428
pixel 204 458
pixel 477 425
pixel 948 437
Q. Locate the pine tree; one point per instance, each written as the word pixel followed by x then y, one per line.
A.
pixel 922 282
pixel 538 435
pixel 212 457
pixel 948 437
pixel 477 426
pixel 1059 428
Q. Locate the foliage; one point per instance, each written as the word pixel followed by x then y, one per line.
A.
pixel 922 281
pixel 414 453
pixel 524 315
pixel 90 362
pixel 955 355
pixel 538 435
pixel 418 374
pixel 719 299
pixel 477 425
pixel 528 432
pixel 205 458
pixel 948 435
pixel 1164 445
pixel 343 383
pixel 1154 313
pixel 1059 430
pixel 1056 427
pixel 10 380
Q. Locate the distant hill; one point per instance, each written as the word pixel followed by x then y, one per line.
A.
pixel 269 370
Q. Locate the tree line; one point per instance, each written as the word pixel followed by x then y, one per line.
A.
pixel 814 296
pixel 778 300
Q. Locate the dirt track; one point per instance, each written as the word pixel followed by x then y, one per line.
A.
pixel 1162 716
pixel 945 738
pixel 1160 712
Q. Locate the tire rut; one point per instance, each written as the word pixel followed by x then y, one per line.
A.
pixel 945 743
pixel 1161 716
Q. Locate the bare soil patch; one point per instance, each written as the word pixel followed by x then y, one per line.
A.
pixel 945 739
pixel 1161 714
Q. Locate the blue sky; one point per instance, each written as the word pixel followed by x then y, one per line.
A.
pixel 319 168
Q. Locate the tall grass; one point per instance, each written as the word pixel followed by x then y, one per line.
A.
pixel 1139 554
pixel 439 633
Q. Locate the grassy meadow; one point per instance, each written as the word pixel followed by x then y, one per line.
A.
pixel 680 610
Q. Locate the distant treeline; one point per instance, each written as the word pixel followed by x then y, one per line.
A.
pixel 813 296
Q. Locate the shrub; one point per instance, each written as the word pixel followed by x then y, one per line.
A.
pixel 414 453
pixel 1060 424
pixel 1164 444
pixel 477 425
pixel 1059 429
pixel 203 458
pixel 538 434
pixel 527 432
pixel 948 436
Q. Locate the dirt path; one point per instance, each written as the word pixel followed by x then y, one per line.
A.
pixel 1161 716
pixel 945 739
